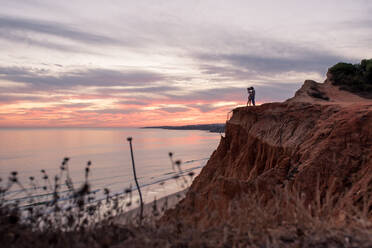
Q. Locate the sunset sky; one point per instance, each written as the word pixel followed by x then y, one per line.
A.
pixel 140 63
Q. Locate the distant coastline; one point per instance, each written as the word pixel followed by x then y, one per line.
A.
pixel 213 128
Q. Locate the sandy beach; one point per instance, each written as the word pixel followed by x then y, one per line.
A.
pixel 152 209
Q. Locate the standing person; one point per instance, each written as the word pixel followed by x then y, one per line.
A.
pixel 249 102
pixel 253 94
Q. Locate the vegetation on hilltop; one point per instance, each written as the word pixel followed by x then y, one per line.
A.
pixel 356 78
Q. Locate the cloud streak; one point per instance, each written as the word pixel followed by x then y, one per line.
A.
pixel 240 65
pixel 10 24
pixel 44 80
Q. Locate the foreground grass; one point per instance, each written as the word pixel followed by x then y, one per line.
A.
pixel 316 233
pixel 282 221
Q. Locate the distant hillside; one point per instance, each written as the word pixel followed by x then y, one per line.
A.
pixel 214 128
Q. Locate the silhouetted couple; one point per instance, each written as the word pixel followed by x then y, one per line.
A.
pixel 251 96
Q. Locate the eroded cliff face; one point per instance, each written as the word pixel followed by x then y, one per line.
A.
pixel 307 143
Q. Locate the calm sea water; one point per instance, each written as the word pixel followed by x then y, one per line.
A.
pixel 28 151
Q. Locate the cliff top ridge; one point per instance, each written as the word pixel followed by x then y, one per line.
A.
pixel 327 93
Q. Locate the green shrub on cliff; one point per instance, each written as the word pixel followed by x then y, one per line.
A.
pixel 356 78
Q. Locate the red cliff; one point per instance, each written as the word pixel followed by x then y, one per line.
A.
pixel 318 144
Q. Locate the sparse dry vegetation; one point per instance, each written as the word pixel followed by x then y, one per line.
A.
pixel 282 220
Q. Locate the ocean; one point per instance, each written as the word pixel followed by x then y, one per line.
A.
pixel 28 151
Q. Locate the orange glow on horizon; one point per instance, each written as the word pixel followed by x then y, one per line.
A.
pixel 116 115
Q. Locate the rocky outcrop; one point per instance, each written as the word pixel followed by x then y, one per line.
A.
pixel 319 142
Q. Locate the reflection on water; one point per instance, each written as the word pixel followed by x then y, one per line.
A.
pixel 30 150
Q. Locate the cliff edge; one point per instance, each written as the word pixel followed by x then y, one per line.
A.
pixel 317 144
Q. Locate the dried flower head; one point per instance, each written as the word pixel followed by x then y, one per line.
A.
pixel 128 190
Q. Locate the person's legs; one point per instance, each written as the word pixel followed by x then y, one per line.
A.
pixel 253 102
